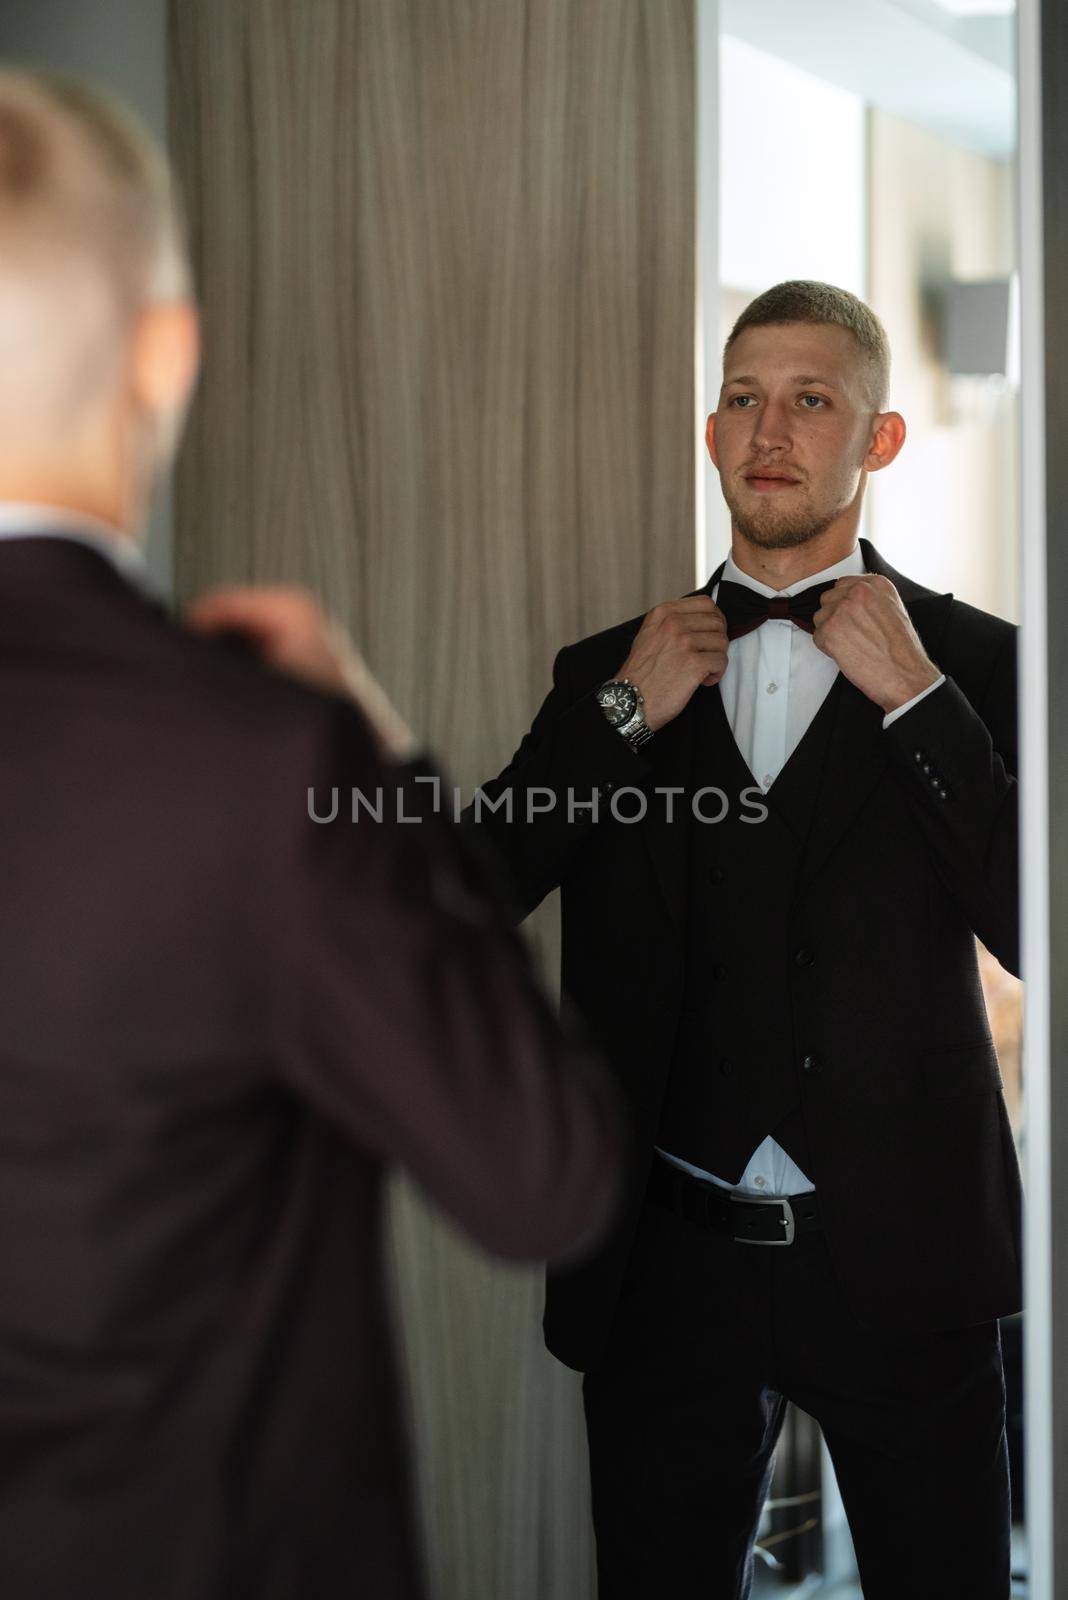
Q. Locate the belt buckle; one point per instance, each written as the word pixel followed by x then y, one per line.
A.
pixel 769 1200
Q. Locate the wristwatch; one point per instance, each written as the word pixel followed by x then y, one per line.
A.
pixel 623 707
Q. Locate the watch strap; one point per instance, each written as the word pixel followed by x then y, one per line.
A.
pixel 636 732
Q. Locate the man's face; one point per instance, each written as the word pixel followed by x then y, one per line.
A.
pixel 792 431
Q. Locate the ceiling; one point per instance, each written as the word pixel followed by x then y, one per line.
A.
pixel 953 75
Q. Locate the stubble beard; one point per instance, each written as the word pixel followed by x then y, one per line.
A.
pixel 770 527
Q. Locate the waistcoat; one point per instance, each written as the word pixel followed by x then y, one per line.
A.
pixel 735 1069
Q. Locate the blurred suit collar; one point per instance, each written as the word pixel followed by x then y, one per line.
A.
pixel 33 521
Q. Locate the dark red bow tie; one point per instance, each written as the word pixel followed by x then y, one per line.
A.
pixel 745 609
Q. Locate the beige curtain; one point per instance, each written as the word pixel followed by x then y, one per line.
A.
pixel 445 252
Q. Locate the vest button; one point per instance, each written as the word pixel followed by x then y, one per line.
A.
pixel 810 1064
pixel 719 970
pixel 726 1067
pixel 804 957
pixel 716 874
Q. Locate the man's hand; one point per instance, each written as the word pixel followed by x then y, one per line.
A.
pixel 864 628
pixel 680 644
pixel 295 636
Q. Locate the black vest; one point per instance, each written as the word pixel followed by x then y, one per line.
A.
pixel 736 1064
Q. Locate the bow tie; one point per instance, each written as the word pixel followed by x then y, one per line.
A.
pixel 745 609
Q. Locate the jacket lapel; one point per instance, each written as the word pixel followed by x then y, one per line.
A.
pixel 856 752
pixel 671 753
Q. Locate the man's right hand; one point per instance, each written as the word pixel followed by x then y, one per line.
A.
pixel 680 645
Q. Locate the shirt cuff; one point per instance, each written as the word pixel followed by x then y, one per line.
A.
pixel 899 711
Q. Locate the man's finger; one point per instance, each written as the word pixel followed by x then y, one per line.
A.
pixel 707 640
pixel 267 614
pixel 830 601
pixel 693 602
pixel 702 624
pixel 250 601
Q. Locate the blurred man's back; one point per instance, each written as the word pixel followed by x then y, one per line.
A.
pixel 221 1018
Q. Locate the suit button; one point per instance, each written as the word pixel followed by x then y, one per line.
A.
pixel 726 1067
pixel 921 755
pixel 716 874
pixel 810 1064
pixel 719 971
pixel 926 767
pixel 804 957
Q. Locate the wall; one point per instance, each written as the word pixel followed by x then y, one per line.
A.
pixel 947 511
pixel 791 202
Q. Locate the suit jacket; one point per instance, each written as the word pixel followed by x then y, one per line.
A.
pixel 911 852
pixel 221 1020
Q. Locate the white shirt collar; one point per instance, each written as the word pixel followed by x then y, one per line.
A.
pixel 35 521
pixel 849 566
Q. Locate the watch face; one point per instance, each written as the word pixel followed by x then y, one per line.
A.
pixel 618 702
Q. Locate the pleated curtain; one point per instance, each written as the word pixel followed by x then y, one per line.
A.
pixel 445 256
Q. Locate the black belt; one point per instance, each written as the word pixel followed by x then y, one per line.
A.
pixel 751 1220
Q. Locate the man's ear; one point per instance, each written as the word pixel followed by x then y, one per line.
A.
pixel 710 438
pixel 165 357
pixel 887 438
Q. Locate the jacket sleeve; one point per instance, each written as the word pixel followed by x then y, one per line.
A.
pixel 554 790
pixel 410 1016
pixel 958 765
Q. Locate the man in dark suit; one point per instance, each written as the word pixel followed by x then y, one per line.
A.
pixel 223 1013
pixel 779 811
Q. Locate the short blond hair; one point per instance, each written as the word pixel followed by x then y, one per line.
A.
pixel 79 167
pixel 90 234
pixel 807 300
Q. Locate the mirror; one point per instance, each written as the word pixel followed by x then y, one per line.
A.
pixel 873 146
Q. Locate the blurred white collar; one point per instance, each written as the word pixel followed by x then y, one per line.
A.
pixel 850 565
pixel 35 521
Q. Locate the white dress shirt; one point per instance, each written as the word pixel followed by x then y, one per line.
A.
pixel 775 681
pixel 33 521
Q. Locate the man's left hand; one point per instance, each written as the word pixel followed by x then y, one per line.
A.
pixel 294 635
pixel 863 626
